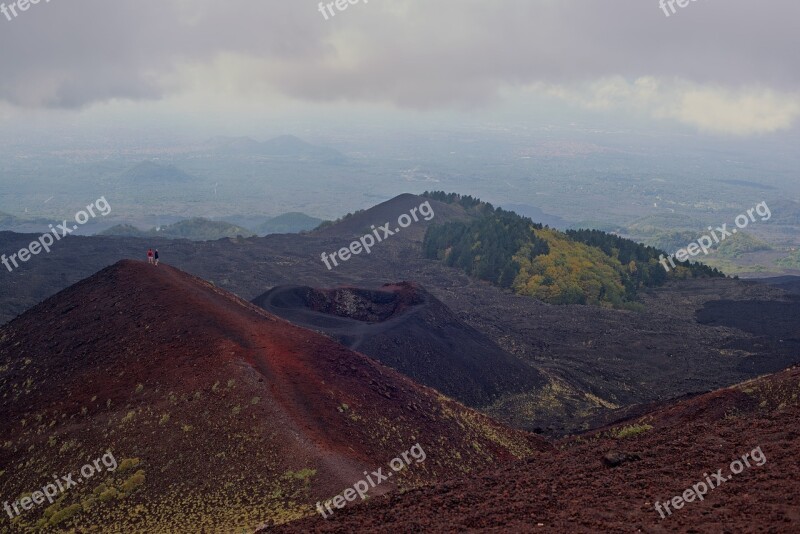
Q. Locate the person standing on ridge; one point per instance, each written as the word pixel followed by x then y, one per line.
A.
pixel 156 256
pixel 150 255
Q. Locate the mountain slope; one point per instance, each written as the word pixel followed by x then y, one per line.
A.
pixel 288 223
pixel 572 267
pixel 200 229
pixel 195 229
pixel 232 416
pixel 359 223
pixel 125 230
pixel 611 480
pixel 410 330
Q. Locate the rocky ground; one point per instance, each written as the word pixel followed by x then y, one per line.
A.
pixel 611 480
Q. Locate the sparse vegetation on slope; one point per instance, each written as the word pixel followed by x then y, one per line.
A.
pixel 222 416
pixel 346 217
pixel 740 244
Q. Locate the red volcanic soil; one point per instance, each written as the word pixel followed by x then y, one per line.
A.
pixel 235 417
pixel 607 482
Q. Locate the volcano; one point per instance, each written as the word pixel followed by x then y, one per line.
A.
pixel 410 330
pixel 223 416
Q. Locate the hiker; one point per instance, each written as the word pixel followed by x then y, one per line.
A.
pixel 150 255
pixel 156 256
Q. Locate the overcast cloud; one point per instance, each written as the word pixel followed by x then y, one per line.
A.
pixel 721 66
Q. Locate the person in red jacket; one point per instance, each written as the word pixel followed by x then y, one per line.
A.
pixel 150 255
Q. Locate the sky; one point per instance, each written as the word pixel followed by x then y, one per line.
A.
pixel 721 68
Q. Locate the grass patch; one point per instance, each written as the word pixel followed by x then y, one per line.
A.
pixel 304 474
pixel 630 431
pixel 127 464
pixel 136 480
pixel 66 513
pixel 128 417
pixel 110 493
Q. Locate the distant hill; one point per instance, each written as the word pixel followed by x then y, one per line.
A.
pixel 288 223
pixel 151 173
pixel 197 229
pixel 672 241
pixel 126 230
pixel 732 248
pixel 285 146
pixel 12 222
pixel 572 267
pixel 739 244
pixel 654 225
pixel 8 221
pixel 200 229
pixel 359 223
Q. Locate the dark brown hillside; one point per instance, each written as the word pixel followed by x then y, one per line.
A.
pixel 610 480
pixel 790 284
pixel 360 223
pixel 233 416
pixel 410 330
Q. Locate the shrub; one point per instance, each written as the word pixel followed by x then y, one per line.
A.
pixel 66 513
pixel 127 464
pixel 88 503
pixel 631 430
pixel 304 474
pixel 110 493
pixel 136 480
pixel 128 417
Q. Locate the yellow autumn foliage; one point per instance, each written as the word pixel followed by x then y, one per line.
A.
pixel 571 273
